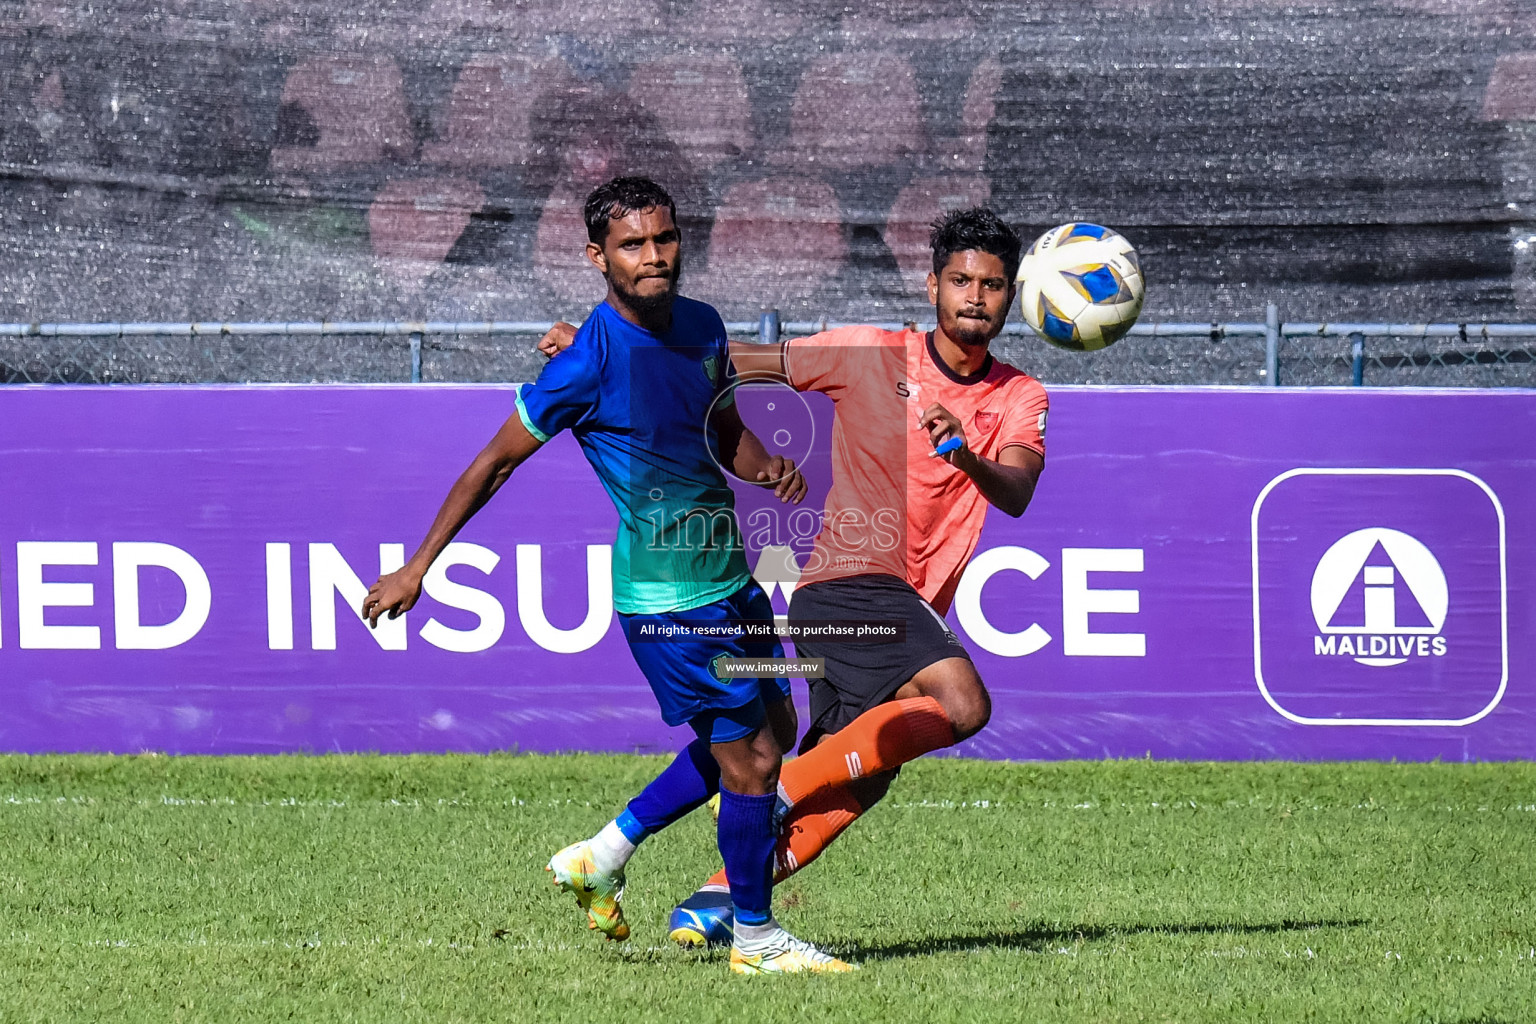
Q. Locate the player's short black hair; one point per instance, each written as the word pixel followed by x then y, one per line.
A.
pixel 977 228
pixel 620 197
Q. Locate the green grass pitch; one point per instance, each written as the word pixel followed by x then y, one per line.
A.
pixel 412 888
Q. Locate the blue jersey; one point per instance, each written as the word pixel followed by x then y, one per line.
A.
pixel 639 404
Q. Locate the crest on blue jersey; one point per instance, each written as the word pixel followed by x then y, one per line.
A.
pixel 712 368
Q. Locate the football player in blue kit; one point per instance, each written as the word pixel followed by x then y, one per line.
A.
pixel 647 390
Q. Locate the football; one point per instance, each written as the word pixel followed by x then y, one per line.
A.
pixel 1080 286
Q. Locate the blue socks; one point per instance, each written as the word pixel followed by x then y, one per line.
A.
pixel 746 839
pixel 692 778
pixel 746 833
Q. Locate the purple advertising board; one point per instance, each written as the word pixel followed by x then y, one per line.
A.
pixel 1222 573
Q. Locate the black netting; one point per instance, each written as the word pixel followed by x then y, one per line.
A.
pixel 1221 354
pixel 213 359
pixel 405 159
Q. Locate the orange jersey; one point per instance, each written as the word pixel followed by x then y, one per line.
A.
pixel 892 508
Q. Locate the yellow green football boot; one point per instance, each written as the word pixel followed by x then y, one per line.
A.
pixel 781 953
pixel 597 893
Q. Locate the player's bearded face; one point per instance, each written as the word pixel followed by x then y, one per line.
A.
pixel 644 257
pixel 971 297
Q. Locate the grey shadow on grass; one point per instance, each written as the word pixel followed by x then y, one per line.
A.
pixel 1041 939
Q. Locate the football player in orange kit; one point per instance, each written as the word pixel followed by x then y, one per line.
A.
pixel 900 524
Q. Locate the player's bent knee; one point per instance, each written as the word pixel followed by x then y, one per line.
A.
pixel 751 777
pixel 750 765
pixel 764 762
pixel 973 716
pixel 969 708
pixel 958 688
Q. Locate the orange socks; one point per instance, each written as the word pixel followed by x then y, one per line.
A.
pixel 882 738
pixel 809 829
pixel 815 783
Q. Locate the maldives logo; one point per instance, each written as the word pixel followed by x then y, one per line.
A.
pixel 1380 597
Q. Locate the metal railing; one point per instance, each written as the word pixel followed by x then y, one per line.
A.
pixel 1267 353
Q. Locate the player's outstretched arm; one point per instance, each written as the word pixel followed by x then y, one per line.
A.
pixel 752 362
pixel 396 593
pixel 758 362
pixel 743 452
pixel 1008 483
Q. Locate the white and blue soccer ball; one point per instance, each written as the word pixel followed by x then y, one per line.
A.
pixel 1080 286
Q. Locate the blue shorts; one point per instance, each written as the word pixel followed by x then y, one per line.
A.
pixel 676 652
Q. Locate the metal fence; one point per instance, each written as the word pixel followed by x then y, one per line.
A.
pixel 1268 353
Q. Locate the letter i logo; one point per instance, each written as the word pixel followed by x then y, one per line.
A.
pixel 1380 599
pixel 1378 584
